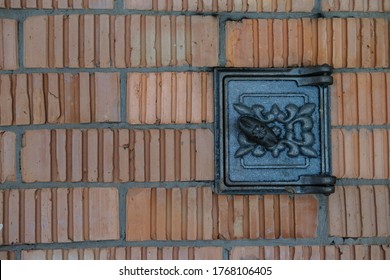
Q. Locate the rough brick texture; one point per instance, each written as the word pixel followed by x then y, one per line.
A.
pixel 356 5
pixel 120 41
pixel 127 253
pixel 57 4
pixel 360 211
pixel 107 155
pixel 361 98
pixel 7 156
pixel 222 5
pixel 362 153
pixel 59 215
pixel 342 252
pixel 169 97
pixel 306 42
pixel 197 214
pixel 59 98
pixel 8 44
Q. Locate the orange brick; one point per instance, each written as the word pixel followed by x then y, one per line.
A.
pixel 7 156
pixel 357 153
pixel 357 212
pixel 60 215
pixel 35 156
pixel 132 41
pixel 162 98
pixel 8 44
pixel 60 4
pixel 338 42
pixel 240 36
pixel 103 213
pixel 59 98
pixel 331 252
pixel 355 6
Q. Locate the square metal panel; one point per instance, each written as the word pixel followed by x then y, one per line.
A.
pixel 272 131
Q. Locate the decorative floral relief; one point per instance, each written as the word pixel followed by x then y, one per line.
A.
pixel 275 131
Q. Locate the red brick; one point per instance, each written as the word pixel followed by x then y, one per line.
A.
pixel 7 255
pixel 357 212
pixel 131 41
pixel 59 215
pixel 306 220
pixel 357 153
pixel 330 252
pixel 324 39
pixel 58 4
pixel 60 98
pixel 355 6
pixel 7 156
pixel 103 213
pixel 8 44
pixel 97 155
pixel 162 98
pixel 222 5
pixel 35 156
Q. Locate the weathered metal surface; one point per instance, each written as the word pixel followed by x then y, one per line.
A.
pixel 272 131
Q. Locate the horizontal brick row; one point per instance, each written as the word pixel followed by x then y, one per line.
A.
pixel 304 42
pixel 106 155
pixel 8 44
pixel 127 253
pixel 356 5
pixel 59 98
pixel 120 41
pixel 222 5
pixel 339 252
pixel 57 4
pixel 169 97
pixel 7 156
pixel 360 98
pixel 58 215
pixel 360 211
pixel 362 153
pixel 198 214
pixel 330 252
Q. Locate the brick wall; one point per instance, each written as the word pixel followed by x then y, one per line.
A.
pixel 106 129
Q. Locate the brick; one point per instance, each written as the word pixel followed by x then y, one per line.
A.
pixel 222 5
pixel 59 4
pixel 155 98
pixel 363 95
pixel 7 156
pixel 360 153
pixel 124 253
pixel 103 214
pixel 329 252
pixel 8 44
pixel 35 156
pixel 306 220
pixel 59 98
pixel 188 214
pixel 7 255
pixel 59 215
pixel 355 6
pixel 357 212
pixel 338 42
pixel 120 41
